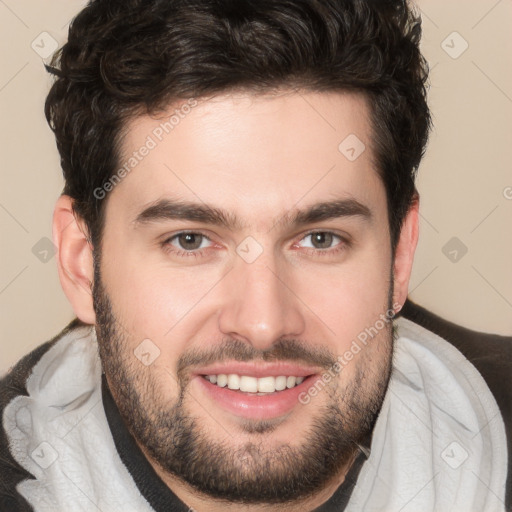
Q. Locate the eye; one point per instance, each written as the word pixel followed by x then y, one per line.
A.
pixel 187 243
pixel 322 242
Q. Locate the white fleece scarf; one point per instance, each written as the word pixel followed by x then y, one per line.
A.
pixel 439 444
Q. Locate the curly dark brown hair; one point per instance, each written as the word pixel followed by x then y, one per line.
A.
pixel 126 58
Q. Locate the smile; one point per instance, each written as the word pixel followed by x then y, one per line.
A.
pixel 248 384
pixel 254 390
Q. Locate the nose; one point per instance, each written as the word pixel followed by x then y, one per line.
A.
pixel 260 305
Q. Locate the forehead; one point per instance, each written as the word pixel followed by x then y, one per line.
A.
pixel 243 151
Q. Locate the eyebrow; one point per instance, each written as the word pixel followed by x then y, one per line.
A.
pixel 167 209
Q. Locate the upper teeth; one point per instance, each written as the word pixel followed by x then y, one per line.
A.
pixel 253 384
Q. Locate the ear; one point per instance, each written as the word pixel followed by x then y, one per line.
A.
pixel 74 259
pixel 404 254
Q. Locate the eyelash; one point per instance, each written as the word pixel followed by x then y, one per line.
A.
pixel 166 244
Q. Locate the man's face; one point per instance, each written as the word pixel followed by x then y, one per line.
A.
pixel 182 303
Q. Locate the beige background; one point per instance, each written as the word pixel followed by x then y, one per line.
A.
pixel 465 181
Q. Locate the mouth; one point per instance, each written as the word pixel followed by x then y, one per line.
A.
pixel 255 391
pixel 260 386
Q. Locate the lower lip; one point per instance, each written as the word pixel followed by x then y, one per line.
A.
pixel 251 406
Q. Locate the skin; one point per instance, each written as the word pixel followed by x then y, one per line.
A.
pixel 261 158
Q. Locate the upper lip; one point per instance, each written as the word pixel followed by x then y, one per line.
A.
pixel 258 369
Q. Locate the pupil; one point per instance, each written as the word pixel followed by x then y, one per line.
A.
pixel 323 239
pixel 188 239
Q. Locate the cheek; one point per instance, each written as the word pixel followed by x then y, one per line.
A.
pixel 350 297
pixel 154 301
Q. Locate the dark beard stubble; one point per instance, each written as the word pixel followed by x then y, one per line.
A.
pixel 251 473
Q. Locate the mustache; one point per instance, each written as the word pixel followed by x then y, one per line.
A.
pixel 237 350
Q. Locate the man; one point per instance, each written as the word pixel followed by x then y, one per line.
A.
pixel 236 236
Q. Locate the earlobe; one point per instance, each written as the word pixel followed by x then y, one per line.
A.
pixel 74 259
pixel 404 254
